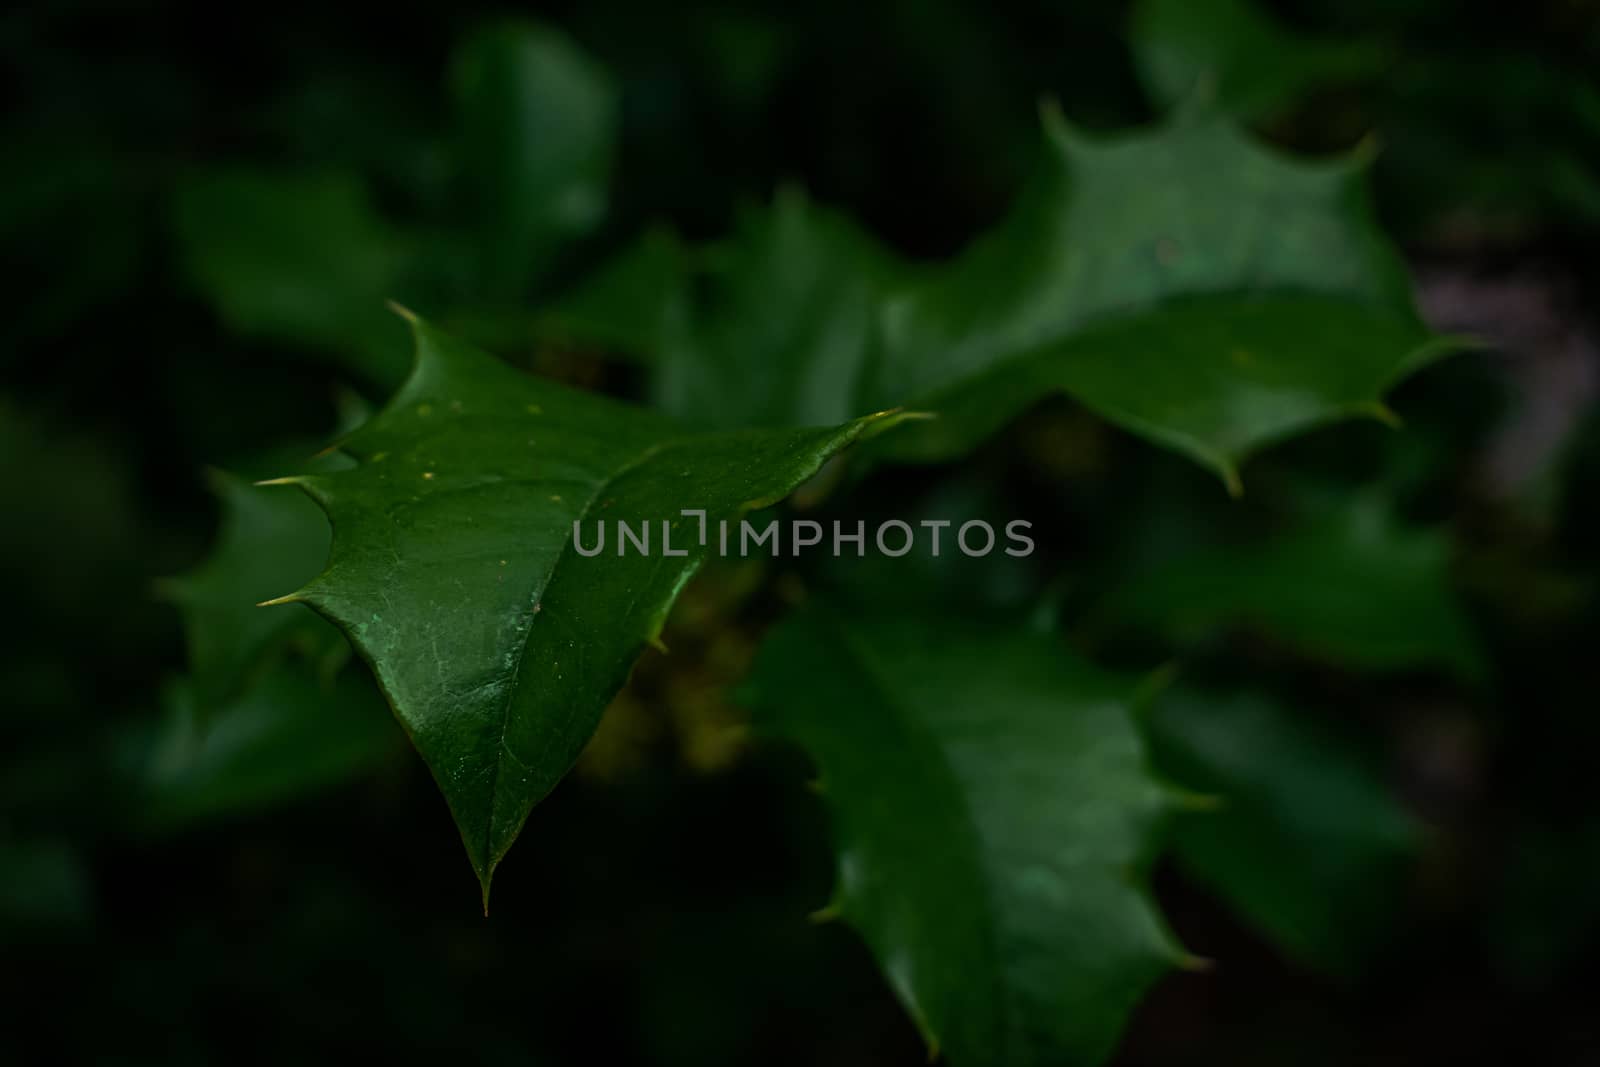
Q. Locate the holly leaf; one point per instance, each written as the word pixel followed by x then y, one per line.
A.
pixel 629 305
pixel 454 571
pixel 784 336
pixel 1348 583
pixel 1306 843
pixel 267 541
pixel 1250 64
pixel 1187 283
pixel 992 814
pixel 296 730
pixel 297 258
pixel 537 120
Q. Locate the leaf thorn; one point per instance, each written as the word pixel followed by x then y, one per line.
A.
pixel 826 914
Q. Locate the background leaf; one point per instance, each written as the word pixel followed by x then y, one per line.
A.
pixel 1239 56
pixel 1348 583
pixel 992 811
pixel 267 540
pixel 297 730
pixel 630 304
pixel 538 126
pixel 785 332
pixel 298 258
pixel 1306 843
pixel 1157 277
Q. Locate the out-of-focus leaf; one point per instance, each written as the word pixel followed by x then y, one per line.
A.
pixel 74 227
pixel 1250 64
pixel 992 811
pixel 295 731
pixel 1187 283
pixel 1306 843
pixel 630 305
pixel 1491 142
pixel 301 259
pixel 1545 912
pixel 45 887
pixel 785 334
pixel 453 570
pixel 1349 583
pixel 934 574
pixel 267 542
pixel 538 127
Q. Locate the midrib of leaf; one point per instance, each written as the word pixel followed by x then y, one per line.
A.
pixel 973 837
pixel 515 676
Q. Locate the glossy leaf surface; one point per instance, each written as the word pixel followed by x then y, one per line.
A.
pixel 992 812
pixel 454 571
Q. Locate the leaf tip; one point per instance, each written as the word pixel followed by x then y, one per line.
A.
pixel 1058 130
pixel 1154 684
pixel 1192 802
pixel 1199 101
pixel 881 422
pixel 1230 478
pixel 828 913
pixel 1383 413
pixel 1366 152
pixel 404 312
pixel 296 597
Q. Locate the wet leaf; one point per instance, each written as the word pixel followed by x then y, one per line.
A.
pixel 454 571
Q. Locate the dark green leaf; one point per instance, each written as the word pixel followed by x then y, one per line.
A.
pixel 1187 283
pixel 1350 583
pixel 784 337
pixel 1306 843
pixel 453 572
pixel 1247 62
pixel 296 730
pixel 538 124
pixel 268 541
pixel 630 305
pixel 301 259
pixel 46 886
pixel 992 814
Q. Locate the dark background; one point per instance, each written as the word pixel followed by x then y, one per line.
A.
pixel 655 909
